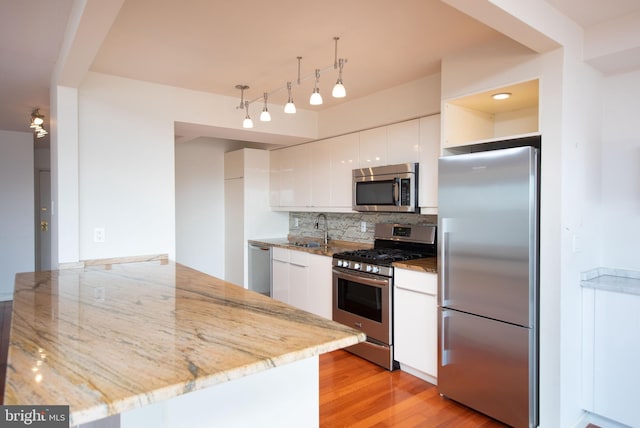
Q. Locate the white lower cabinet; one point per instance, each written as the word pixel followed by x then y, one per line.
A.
pixel 302 280
pixel 280 274
pixel 415 317
pixel 611 351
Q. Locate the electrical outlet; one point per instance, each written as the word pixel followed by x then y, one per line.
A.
pixel 98 234
pixel 296 222
pixel 363 226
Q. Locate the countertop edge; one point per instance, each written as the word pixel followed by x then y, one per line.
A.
pixel 427 265
pixel 335 246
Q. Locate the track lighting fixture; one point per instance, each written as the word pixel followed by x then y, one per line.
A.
pixel 290 108
pixel 37 120
pixel 265 116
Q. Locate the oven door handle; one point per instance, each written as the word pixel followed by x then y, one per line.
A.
pixel 380 283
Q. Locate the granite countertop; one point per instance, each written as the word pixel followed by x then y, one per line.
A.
pixel 290 242
pixel 428 264
pixel 608 279
pixel 106 339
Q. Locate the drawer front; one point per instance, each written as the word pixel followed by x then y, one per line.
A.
pixel 281 254
pixel 300 258
pixel 421 282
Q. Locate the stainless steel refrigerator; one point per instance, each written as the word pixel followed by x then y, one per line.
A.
pixel 488 276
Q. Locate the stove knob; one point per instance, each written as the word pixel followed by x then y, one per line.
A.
pixel 369 268
pixel 357 266
pixel 345 263
pixel 375 269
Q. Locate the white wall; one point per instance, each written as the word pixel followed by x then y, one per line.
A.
pixel 125 169
pixel 621 171
pixel 17 232
pixel 200 220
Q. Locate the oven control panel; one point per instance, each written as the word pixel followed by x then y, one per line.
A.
pixel 364 267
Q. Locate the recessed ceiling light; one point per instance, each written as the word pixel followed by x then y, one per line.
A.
pixel 501 95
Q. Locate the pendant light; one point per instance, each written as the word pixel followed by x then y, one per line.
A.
pixel 290 107
pixel 265 116
pixel 316 98
pixel 338 89
pixel 247 122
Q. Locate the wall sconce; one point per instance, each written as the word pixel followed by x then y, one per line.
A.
pixel 338 91
pixel 37 122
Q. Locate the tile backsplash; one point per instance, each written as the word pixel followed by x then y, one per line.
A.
pixel 347 227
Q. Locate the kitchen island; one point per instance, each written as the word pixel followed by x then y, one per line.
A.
pixel 160 344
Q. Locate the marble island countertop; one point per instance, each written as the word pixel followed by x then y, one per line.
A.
pixel 107 339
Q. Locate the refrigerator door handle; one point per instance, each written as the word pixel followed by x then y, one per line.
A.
pixel 444 335
pixel 444 260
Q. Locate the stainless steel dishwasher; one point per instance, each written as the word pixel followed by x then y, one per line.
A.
pixel 260 269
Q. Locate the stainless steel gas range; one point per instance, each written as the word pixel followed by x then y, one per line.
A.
pixel 363 285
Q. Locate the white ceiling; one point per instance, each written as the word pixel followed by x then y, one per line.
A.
pixel 212 46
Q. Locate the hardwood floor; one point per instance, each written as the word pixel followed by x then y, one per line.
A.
pixel 356 393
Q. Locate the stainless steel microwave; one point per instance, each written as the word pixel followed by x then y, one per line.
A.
pixel 391 188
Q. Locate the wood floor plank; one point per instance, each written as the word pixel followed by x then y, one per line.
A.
pixel 356 393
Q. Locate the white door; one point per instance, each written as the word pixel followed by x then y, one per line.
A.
pixel 43 228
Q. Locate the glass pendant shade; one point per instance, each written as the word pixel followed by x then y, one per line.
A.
pixel 290 107
pixel 265 116
pixel 338 90
pixel 247 123
pixel 316 98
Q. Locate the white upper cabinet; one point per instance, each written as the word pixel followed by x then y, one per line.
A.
pixel 479 118
pixel 428 171
pixel 373 147
pixel 321 173
pixel 345 156
pixel 403 141
pixel 274 178
pixel 295 176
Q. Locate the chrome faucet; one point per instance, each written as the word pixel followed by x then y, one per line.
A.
pixel 326 228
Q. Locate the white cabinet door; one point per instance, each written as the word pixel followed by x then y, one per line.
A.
pixel 295 176
pixel 274 178
pixel 416 321
pixel 429 154
pixel 280 274
pixel 321 173
pixel 616 356
pixel 234 231
pixel 345 157
pixel 403 142
pixel 298 279
pixel 373 147
pixel 319 293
